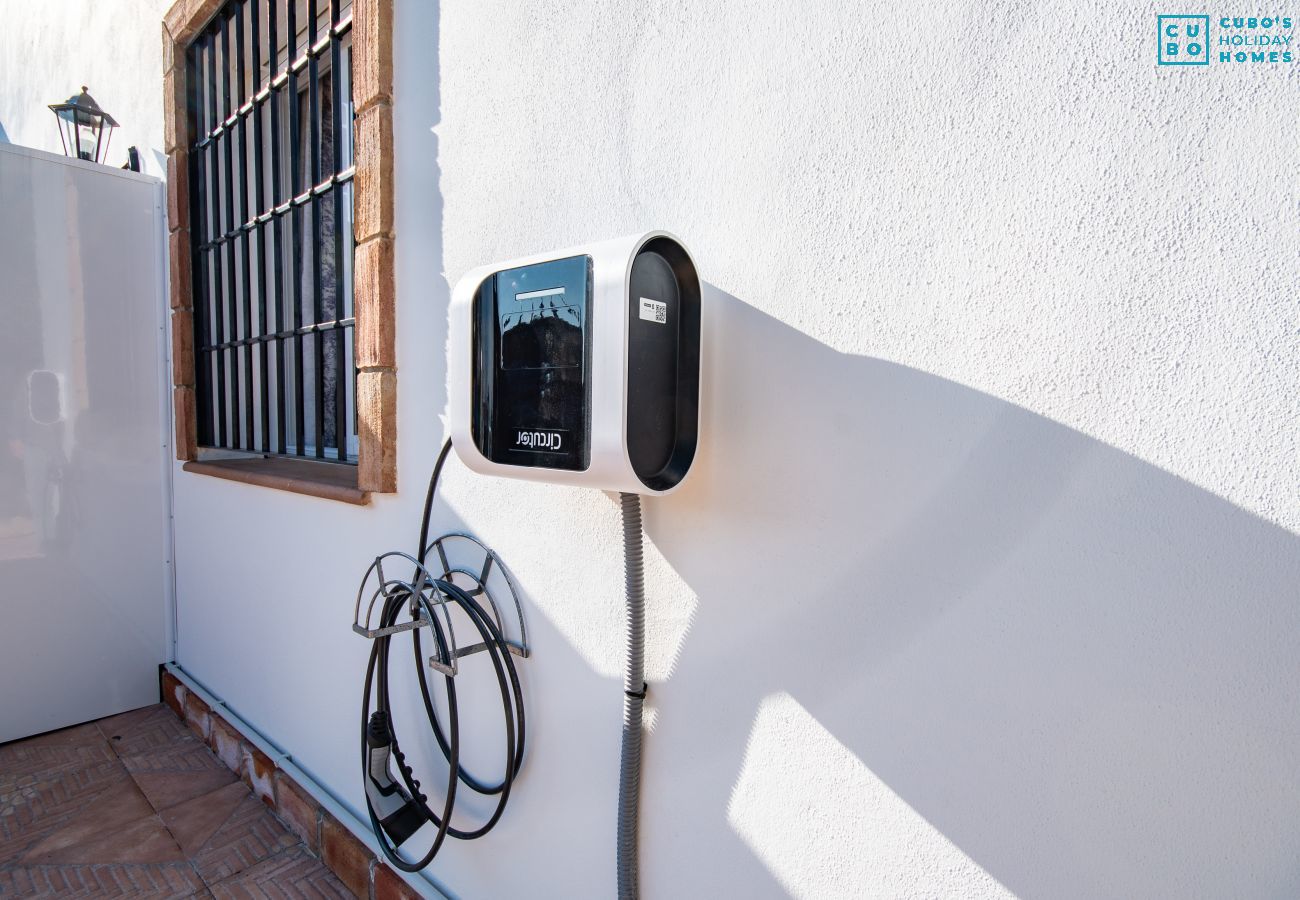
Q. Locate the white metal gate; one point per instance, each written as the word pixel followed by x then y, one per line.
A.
pixel 85 579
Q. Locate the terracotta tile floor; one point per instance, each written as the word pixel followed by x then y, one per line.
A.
pixel 135 805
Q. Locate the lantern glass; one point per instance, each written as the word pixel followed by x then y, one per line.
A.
pixel 88 137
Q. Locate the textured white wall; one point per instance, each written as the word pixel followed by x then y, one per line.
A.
pixel 986 580
pixel 48 50
pixel 988 574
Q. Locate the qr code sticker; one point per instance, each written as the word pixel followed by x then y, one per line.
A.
pixel 654 311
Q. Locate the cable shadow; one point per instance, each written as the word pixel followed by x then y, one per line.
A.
pixel 1078 667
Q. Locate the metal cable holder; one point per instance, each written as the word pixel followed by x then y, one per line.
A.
pixel 427 594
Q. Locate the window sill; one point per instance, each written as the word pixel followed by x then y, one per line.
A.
pixel 330 481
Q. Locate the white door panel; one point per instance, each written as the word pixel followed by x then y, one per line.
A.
pixel 84 509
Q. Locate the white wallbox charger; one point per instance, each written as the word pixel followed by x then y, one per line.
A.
pixel 580 366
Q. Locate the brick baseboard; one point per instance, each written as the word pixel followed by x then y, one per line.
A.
pixel 349 859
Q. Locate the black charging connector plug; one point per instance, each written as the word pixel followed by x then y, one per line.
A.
pixel 398 814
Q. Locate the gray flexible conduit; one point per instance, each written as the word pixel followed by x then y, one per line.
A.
pixel 629 776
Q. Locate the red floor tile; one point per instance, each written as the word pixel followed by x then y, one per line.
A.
pixel 169 880
pixel 118 806
pixel 194 822
pixel 167 789
pixel 250 835
pixel 135 805
pixel 142 731
pixel 25 763
pixel 33 812
pixel 142 841
pixel 77 735
pixel 114 726
pixel 189 756
pixel 292 873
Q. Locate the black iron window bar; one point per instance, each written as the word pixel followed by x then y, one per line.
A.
pixel 417 587
pixel 270 186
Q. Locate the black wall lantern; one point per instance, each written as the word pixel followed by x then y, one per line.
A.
pixel 84 127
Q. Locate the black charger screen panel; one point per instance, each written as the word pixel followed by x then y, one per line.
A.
pixel 532 347
pixel 663 378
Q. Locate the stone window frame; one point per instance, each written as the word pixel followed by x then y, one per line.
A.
pixel 372 275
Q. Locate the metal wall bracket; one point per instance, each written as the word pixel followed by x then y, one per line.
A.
pixel 426 595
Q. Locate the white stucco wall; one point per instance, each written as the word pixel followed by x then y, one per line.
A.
pixel 986 580
pixel 48 50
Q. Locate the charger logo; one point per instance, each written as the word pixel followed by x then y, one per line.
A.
pixel 544 441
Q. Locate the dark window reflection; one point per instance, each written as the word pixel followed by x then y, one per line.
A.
pixel 547 338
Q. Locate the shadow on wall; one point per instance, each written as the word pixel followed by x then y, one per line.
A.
pixel 1076 668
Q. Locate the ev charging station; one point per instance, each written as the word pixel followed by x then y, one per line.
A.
pixel 580 367
pixel 577 367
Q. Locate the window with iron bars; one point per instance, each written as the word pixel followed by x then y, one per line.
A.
pixel 271 171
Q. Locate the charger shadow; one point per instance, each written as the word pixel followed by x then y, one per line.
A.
pixel 1077 667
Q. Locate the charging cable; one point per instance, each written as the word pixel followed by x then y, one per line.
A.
pixel 397 807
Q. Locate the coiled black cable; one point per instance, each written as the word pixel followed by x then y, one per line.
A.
pixel 379 720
